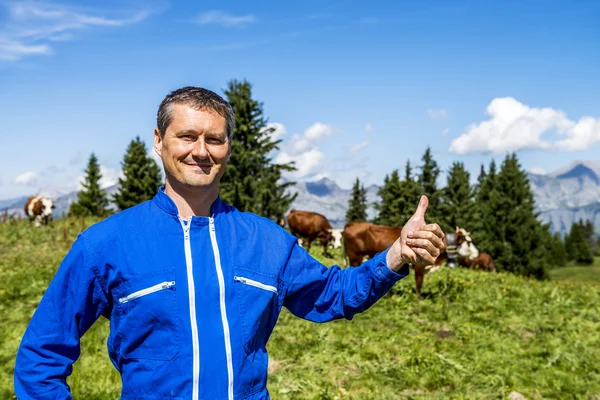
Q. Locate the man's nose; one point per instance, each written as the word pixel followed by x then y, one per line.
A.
pixel 200 149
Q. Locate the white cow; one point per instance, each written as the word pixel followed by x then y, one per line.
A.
pixel 39 209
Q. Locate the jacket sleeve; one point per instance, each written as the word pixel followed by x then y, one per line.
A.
pixel 317 293
pixel 72 303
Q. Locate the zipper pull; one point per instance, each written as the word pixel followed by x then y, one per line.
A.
pixel 211 221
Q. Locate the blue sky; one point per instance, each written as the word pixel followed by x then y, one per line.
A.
pixel 355 88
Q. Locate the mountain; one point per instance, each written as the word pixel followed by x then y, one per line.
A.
pixel 327 198
pixel 568 194
pixel 562 197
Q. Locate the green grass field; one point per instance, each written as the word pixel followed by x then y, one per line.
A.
pixel 473 336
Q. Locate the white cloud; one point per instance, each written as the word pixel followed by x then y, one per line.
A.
pixel 303 150
pixel 445 131
pixel 360 146
pixel 30 27
pixel 28 178
pixel 224 19
pixel 318 130
pixel 307 163
pixel 278 130
pixel 513 126
pixel 438 113
pixel 369 129
pixel 538 171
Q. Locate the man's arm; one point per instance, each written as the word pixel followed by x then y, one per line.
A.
pixel 320 294
pixel 317 293
pixel 72 303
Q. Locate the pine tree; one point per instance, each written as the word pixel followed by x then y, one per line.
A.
pixel 485 231
pixel 390 193
pixel 519 237
pixel 410 193
pixel 428 181
pixel 252 182
pixel 357 204
pixel 578 247
pixel 590 235
pixel 559 252
pixel 457 202
pixel 142 176
pixel 91 200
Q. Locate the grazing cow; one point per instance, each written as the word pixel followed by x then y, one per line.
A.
pixel 310 226
pixel 336 235
pixel 39 209
pixel 469 256
pixel 363 239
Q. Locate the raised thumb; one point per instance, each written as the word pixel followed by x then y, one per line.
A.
pixel 423 204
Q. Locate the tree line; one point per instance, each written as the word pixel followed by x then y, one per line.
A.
pixel 498 210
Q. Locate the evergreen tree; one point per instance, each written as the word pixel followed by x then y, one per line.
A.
pixel 559 252
pixel 485 230
pixel 518 237
pixel 578 247
pixel 457 202
pixel 428 181
pixel 252 182
pixel 357 205
pixel 410 194
pixel 590 235
pixel 390 193
pixel 142 176
pixel 91 199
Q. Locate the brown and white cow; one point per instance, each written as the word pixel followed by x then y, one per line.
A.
pixel 310 225
pixel 39 209
pixel 363 239
pixel 336 238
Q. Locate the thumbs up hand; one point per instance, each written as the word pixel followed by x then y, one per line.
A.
pixel 419 243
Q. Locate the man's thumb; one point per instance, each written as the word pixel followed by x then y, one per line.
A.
pixel 423 204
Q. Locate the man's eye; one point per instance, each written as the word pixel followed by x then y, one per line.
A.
pixel 214 140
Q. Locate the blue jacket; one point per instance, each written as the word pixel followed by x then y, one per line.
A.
pixel 191 303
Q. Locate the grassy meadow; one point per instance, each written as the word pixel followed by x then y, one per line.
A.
pixel 473 336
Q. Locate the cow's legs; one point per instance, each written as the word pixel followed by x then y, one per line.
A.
pixel 309 242
pixel 419 273
pixel 38 221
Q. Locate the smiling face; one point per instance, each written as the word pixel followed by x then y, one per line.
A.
pixel 194 149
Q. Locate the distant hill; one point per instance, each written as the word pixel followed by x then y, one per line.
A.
pixel 562 197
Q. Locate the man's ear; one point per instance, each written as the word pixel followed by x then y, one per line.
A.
pixel 157 142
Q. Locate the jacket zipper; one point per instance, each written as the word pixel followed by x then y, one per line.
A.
pixel 185 224
pixel 143 292
pixel 255 284
pixel 213 239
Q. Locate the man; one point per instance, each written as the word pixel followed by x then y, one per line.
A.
pixel 193 287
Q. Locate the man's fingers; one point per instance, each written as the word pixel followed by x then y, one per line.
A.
pixel 423 257
pixel 429 236
pixel 435 228
pixel 424 244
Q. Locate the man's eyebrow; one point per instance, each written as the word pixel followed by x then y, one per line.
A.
pixel 184 131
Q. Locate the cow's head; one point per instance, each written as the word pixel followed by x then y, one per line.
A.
pixel 47 207
pixel 462 236
pixel 336 238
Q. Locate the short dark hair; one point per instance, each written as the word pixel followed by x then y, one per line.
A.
pixel 197 98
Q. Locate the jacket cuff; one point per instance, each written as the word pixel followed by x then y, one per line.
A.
pixel 383 271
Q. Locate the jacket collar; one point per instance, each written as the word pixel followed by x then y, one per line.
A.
pixel 163 201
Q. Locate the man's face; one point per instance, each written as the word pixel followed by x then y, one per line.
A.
pixel 195 148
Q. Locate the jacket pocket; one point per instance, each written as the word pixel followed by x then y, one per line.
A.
pixel 258 299
pixel 148 326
